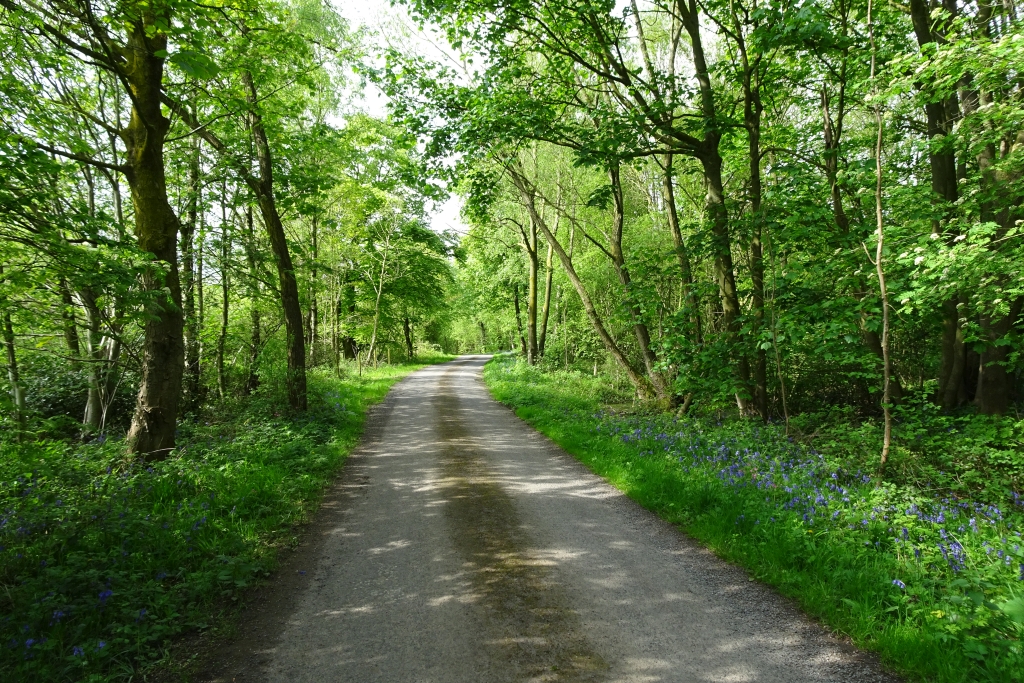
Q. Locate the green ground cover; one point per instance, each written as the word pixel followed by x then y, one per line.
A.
pixel 104 559
pixel 924 566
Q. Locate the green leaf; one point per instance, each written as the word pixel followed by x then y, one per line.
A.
pixel 195 64
pixel 1014 609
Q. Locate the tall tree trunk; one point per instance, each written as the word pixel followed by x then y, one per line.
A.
pixel 200 303
pixel 225 240
pixel 156 230
pixel 336 323
pixel 111 373
pixel 188 276
pixel 255 341
pixel 313 312
pixel 94 355
pixel 348 342
pixel 994 382
pixel 945 193
pixel 13 377
pixel 380 294
pixel 953 391
pixel 546 308
pixel 519 320
pixel 531 296
pixel 717 215
pixel 879 255
pixel 668 195
pixel 527 196
pixel 725 274
pixel 752 109
pixel 264 189
pixel 407 327
pixel 67 314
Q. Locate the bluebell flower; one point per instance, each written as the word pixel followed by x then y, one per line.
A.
pixel 78 652
pixel 899 584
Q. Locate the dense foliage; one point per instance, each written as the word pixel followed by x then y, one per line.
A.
pixel 185 184
pixel 211 263
pixel 772 206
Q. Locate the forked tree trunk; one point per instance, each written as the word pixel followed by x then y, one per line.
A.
pixel 879 255
pixel 94 357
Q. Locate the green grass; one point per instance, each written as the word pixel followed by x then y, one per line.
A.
pixel 103 560
pixel 811 524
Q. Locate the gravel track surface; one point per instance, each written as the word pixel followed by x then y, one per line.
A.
pixel 459 545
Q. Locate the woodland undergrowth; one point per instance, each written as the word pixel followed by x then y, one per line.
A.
pixel 104 559
pixel 924 565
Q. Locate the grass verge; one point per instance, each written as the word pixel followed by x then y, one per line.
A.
pixel 927 577
pixel 103 560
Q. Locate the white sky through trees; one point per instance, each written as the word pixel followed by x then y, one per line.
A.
pixel 389 22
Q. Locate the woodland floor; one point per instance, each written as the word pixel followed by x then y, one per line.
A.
pixel 458 544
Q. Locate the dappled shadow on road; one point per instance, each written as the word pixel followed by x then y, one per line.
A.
pixel 533 627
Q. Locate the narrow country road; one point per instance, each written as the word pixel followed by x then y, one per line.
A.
pixel 461 546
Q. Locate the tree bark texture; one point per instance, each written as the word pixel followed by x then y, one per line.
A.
pixel 156 229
